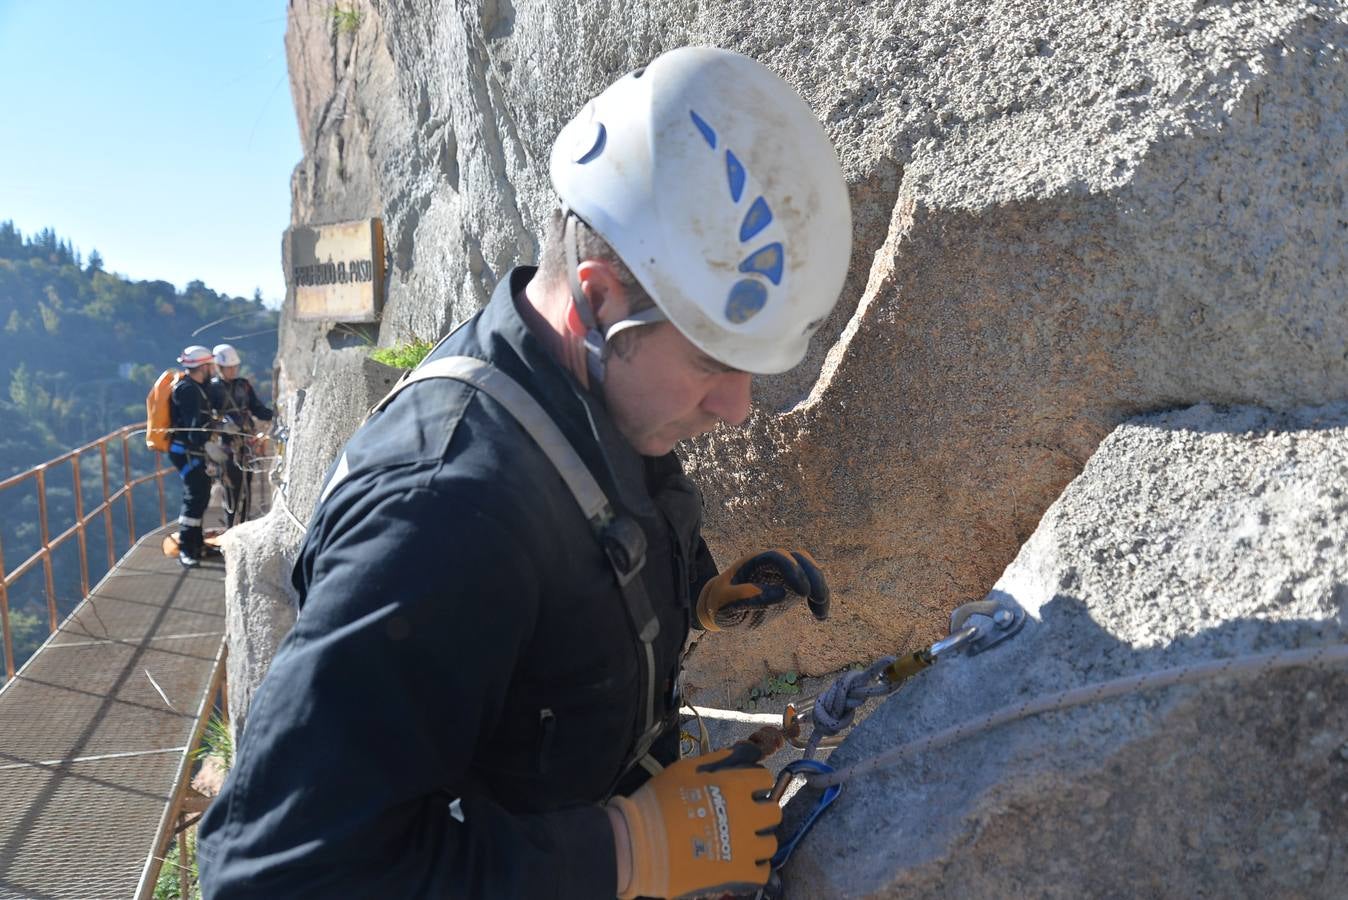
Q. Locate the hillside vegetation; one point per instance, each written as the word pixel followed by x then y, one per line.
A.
pixel 80 346
pixel 79 349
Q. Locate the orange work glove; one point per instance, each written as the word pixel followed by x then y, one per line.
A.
pixel 753 587
pixel 702 826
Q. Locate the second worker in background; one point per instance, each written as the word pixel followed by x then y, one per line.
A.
pixel 241 410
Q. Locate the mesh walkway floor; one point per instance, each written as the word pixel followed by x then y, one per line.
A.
pixel 94 727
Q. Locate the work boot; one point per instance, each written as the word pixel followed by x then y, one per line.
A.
pixel 189 547
pixel 207 550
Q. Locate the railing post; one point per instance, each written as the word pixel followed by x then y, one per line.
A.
pixel 184 859
pixel 126 483
pixel 79 526
pixel 107 504
pixel 4 618
pixel 159 483
pixel 46 544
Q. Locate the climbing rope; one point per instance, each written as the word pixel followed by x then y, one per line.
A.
pixel 835 709
pixel 283 504
pixel 1255 664
pixel 974 628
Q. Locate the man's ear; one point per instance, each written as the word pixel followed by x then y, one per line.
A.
pixel 574 323
pixel 607 296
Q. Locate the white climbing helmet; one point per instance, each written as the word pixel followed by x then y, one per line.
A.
pixel 717 186
pixel 226 355
pixel 194 357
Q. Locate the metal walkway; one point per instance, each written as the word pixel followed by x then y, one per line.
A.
pixel 94 728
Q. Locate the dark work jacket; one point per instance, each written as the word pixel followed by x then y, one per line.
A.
pixel 459 693
pixel 237 400
pixel 190 414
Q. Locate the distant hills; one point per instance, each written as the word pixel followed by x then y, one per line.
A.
pixel 79 349
pixel 80 346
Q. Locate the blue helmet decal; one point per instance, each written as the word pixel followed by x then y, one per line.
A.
pixel 734 173
pixel 755 220
pixel 766 261
pixel 703 127
pixel 746 298
pixel 599 137
pixel 763 265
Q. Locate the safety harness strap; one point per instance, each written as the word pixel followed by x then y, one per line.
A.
pixel 531 417
pixel 623 541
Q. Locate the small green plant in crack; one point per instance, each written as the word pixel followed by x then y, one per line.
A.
pixel 346 18
pixel 786 684
pixel 403 356
pixel 216 741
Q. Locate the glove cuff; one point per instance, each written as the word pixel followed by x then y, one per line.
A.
pixel 647 840
pixel 704 615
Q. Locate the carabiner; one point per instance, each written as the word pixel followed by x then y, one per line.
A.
pixel 792 717
pixel 787 846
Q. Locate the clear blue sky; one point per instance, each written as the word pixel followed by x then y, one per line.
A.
pixel 160 133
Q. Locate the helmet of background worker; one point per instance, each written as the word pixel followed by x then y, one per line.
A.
pixel 195 356
pixel 226 355
pixel 716 185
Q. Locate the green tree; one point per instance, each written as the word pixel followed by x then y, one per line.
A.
pixel 21 388
pixel 27 631
pixel 51 320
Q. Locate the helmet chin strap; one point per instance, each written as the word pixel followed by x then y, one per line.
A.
pixel 596 341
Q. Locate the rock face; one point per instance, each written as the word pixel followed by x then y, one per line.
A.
pixel 1066 214
pixel 261 602
pixel 1191 535
pixel 1159 225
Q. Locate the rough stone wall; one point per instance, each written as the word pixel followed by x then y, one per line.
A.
pixel 1160 224
pixel 1065 214
pixel 259 555
pixel 1192 535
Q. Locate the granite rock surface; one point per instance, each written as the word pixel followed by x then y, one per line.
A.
pixel 1192 535
pixel 1065 215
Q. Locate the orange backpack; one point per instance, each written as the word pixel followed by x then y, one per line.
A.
pixel 157 421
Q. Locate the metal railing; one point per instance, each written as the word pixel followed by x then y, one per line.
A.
pixel 111 496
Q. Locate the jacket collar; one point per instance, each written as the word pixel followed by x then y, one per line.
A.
pixel 581 415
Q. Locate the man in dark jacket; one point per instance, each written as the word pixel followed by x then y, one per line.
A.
pixel 479 697
pixel 240 410
pixel 190 415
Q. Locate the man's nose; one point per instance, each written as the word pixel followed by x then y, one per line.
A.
pixel 729 399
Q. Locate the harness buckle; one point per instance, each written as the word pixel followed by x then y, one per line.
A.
pixel 624 544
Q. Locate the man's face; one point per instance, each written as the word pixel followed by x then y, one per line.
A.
pixel 229 373
pixel 664 390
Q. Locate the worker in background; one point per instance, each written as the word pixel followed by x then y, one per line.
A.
pixel 190 415
pixel 480 695
pixel 240 410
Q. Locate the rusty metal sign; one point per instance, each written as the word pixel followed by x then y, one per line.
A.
pixel 336 272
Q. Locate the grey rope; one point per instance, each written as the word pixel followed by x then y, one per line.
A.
pixel 836 707
pixel 283 504
pixel 1256 664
